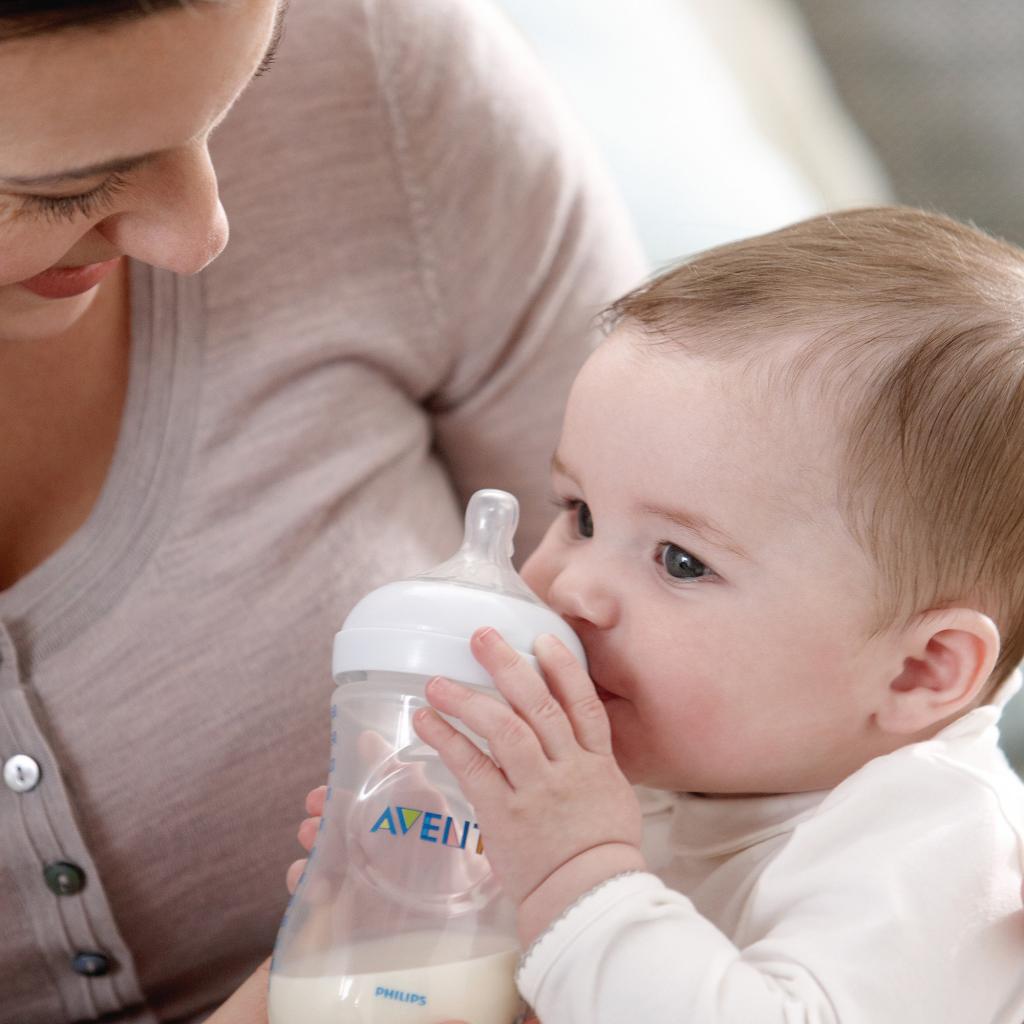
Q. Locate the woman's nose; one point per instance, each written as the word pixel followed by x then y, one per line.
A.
pixel 178 222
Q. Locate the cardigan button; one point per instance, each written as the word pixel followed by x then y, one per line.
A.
pixel 63 878
pixel 21 773
pixel 91 965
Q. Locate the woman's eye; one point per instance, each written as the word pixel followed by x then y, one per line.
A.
pixel 83 205
pixel 681 565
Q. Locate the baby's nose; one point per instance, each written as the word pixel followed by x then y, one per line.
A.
pixel 577 596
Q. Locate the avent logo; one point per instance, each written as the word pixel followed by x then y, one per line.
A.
pixel 402 997
pixel 433 828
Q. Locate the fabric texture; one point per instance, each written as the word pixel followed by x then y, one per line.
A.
pixel 895 897
pixel 420 240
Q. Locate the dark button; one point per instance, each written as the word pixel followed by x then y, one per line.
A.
pixel 92 965
pixel 64 879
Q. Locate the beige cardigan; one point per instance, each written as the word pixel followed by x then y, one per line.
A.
pixel 419 241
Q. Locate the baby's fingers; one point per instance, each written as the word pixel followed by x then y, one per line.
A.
pixel 307 832
pixel 315 800
pixel 291 879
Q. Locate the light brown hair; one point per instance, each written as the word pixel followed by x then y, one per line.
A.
pixel 915 323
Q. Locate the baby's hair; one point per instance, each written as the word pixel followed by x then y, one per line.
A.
pixel 914 331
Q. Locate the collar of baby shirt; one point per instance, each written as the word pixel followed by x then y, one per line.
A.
pixel 716 826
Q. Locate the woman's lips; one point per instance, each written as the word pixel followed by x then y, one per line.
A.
pixel 64 282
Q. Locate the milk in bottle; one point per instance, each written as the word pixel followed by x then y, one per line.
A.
pixel 398 916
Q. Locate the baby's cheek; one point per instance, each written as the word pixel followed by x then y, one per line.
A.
pixel 694 726
pixel 710 725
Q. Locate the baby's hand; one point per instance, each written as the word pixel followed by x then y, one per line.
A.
pixel 454 874
pixel 315 800
pixel 372 748
pixel 555 811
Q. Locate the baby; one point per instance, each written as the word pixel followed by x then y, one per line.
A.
pixel 792 543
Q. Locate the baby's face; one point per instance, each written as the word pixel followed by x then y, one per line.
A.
pixel 702 559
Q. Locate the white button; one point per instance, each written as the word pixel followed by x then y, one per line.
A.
pixel 21 773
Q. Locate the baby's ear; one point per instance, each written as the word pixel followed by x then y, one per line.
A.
pixel 948 654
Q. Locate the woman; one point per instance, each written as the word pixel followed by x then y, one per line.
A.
pixel 206 459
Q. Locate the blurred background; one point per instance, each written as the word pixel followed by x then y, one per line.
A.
pixel 725 118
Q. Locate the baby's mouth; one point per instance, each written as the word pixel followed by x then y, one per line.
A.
pixel 603 694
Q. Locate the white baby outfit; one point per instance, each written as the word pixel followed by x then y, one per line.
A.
pixel 894 898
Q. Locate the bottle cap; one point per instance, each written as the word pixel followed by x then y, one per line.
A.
pixel 422 625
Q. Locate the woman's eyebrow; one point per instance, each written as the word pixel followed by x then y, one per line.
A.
pixel 125 164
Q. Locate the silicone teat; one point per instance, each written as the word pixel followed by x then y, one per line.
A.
pixel 485 558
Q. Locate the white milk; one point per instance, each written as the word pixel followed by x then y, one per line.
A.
pixel 479 990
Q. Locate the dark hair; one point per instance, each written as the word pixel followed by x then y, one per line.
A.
pixel 22 18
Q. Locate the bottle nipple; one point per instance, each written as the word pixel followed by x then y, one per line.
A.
pixel 485 558
pixel 423 624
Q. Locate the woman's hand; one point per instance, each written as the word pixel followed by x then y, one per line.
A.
pixel 556 814
pixel 248 1003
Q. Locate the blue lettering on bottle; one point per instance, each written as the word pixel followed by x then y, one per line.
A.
pixel 385 821
pixel 398 821
pixel 430 826
pixel 450 829
pixel 400 996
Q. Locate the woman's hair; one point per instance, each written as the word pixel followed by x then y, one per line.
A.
pixel 22 18
pixel 910 330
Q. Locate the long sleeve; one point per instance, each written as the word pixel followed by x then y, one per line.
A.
pixel 634 949
pixel 417 244
pixel 521 240
pixel 896 903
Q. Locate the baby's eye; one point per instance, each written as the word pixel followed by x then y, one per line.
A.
pixel 581 519
pixel 584 520
pixel 681 565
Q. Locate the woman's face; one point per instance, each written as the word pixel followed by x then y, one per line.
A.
pixel 103 150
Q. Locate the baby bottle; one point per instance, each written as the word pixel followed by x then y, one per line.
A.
pixel 398 917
